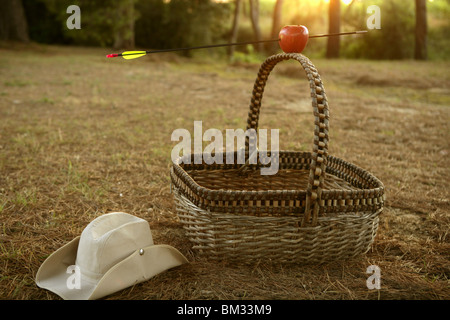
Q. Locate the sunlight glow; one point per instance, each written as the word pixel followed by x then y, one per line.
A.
pixel 346 2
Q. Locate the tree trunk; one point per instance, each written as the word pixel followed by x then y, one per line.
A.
pixel 334 26
pixel 13 22
pixel 245 9
pixel 235 27
pixel 124 33
pixel 276 24
pixel 421 30
pixel 254 16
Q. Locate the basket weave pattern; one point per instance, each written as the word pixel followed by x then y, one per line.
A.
pixel 316 208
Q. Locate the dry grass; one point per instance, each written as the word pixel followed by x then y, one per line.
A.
pixel 81 135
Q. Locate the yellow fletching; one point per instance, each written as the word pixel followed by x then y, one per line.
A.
pixel 128 55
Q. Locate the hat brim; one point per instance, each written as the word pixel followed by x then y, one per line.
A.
pixel 136 268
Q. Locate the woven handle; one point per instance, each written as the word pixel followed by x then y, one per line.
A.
pixel 321 117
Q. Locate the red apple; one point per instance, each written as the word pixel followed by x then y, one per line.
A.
pixel 293 38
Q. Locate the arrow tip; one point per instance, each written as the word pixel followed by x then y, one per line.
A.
pixel 112 55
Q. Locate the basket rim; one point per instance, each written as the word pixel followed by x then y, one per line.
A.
pixel 212 216
pixel 211 194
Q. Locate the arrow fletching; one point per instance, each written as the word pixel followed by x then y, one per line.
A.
pixel 128 55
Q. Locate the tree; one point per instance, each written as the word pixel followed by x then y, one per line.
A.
pixel 254 16
pixel 276 23
pixel 334 26
pixel 104 23
pixel 235 27
pixel 420 52
pixel 124 27
pixel 13 23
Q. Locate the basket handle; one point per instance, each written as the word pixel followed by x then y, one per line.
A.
pixel 321 117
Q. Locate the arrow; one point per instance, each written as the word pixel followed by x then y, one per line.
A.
pixel 128 55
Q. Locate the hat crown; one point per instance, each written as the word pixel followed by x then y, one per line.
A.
pixel 109 239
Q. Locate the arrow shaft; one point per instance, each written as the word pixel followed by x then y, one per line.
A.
pixel 211 46
pixel 337 34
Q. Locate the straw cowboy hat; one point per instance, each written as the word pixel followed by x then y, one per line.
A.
pixel 114 251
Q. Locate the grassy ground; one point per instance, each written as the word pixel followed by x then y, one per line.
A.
pixel 82 135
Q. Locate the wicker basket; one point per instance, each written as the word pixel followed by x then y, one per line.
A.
pixel 317 208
